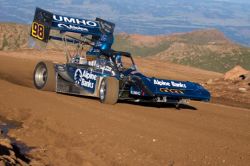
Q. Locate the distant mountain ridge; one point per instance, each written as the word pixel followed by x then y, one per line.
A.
pixel 147 17
pixel 207 49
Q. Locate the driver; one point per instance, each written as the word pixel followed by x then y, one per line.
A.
pixel 102 45
pixel 118 61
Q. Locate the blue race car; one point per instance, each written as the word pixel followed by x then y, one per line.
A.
pixel 107 74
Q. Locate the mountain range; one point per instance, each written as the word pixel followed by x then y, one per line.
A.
pixel 208 49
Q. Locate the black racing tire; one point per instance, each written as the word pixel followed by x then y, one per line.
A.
pixel 109 90
pixel 44 76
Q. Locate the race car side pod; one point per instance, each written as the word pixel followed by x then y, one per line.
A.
pixel 138 82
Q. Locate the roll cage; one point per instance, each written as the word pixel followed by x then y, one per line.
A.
pixel 110 55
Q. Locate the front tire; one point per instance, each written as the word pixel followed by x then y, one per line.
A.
pixel 44 76
pixel 109 90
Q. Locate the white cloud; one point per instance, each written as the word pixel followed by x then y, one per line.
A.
pixel 65 2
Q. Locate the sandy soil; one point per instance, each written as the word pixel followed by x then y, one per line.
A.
pixel 70 130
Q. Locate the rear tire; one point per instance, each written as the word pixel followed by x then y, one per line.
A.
pixel 109 90
pixel 44 76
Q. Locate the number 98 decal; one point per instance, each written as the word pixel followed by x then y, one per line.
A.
pixel 37 30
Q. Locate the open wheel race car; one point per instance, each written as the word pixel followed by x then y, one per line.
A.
pixel 103 73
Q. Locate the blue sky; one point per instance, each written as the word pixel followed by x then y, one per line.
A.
pixel 22 10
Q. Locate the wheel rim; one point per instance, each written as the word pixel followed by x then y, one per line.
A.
pixel 102 90
pixel 41 76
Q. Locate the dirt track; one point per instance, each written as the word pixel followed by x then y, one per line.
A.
pixel 71 130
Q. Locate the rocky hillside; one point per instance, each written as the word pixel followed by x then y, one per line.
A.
pixel 206 49
pixel 13 36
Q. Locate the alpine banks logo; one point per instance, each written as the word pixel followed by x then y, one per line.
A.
pixel 170 83
pixel 85 78
pixel 161 83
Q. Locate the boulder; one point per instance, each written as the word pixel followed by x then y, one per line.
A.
pixel 237 73
pixel 243 90
pixel 209 82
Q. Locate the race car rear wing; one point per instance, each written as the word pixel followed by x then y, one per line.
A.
pixel 44 21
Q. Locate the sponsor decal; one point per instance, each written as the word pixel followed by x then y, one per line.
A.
pixel 91 62
pixel 106 68
pixel 161 83
pixel 135 92
pixel 74 21
pixel 102 68
pixel 178 84
pixel 177 91
pixel 73 27
pixel 85 79
pixel 169 83
pixel 135 72
pixel 106 25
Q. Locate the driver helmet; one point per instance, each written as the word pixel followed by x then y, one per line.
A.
pixel 104 42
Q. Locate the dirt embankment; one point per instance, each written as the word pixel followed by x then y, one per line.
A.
pixel 70 130
pixel 231 89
